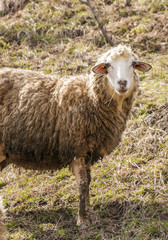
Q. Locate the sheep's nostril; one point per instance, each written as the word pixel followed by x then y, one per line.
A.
pixel 122 83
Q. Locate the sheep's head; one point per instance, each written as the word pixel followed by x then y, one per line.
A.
pixel 119 65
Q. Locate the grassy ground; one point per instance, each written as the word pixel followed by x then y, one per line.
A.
pixel 129 189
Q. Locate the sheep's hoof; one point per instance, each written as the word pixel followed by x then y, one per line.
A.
pixel 83 221
pixel 91 218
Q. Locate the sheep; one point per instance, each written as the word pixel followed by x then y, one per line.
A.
pixel 49 122
pixel 2 226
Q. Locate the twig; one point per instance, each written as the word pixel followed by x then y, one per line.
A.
pixel 107 38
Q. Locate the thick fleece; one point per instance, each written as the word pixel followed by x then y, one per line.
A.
pixel 46 121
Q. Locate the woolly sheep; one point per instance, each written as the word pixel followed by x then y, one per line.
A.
pixel 2 227
pixel 49 122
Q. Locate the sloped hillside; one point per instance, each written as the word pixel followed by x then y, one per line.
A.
pixel 129 189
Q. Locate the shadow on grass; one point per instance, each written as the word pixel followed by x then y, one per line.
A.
pixel 118 220
pixel 2 184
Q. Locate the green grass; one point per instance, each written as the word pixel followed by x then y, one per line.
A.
pixel 129 189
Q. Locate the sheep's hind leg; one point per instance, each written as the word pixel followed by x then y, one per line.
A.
pixel 79 169
pixel 3 164
pixel 93 217
pixel 3 161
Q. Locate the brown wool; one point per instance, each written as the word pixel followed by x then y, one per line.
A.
pixel 46 121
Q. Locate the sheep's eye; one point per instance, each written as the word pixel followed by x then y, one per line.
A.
pixel 108 65
pixel 133 64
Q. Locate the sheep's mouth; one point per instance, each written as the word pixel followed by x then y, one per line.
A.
pixel 122 91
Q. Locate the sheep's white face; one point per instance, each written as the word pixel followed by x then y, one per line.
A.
pixel 121 75
pixel 120 72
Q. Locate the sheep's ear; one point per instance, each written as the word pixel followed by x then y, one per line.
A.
pixel 100 68
pixel 141 66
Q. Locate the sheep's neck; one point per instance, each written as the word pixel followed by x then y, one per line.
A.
pixel 105 95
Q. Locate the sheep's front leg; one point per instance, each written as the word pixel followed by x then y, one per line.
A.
pixel 79 169
pixel 87 199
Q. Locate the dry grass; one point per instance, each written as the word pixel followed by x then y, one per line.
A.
pixel 11 6
pixel 2 225
pixel 129 189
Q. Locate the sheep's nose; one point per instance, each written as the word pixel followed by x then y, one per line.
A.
pixel 122 83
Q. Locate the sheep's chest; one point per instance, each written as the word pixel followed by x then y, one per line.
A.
pixel 111 131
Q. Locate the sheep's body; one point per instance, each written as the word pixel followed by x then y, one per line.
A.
pixel 46 122
pixel 49 123
pixel 2 226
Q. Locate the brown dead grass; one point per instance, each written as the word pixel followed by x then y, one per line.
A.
pixel 11 6
pixel 156 36
pixel 159 118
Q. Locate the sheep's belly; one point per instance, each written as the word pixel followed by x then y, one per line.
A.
pixel 36 162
